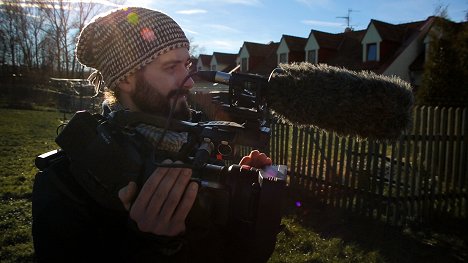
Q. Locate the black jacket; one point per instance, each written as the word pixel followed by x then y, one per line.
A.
pixel 70 226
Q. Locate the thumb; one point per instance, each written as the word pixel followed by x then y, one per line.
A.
pixel 127 194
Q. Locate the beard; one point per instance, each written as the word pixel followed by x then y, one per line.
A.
pixel 149 100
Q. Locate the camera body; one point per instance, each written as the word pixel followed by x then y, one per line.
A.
pixel 107 153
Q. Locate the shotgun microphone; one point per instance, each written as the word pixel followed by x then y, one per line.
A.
pixel 361 104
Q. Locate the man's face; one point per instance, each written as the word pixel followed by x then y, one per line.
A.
pixel 157 85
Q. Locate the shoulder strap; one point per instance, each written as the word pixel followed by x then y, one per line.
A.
pixel 55 167
pixel 47 159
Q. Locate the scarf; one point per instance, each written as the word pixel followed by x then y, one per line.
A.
pixel 172 141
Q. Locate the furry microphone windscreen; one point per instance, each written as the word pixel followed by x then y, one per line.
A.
pixel 361 104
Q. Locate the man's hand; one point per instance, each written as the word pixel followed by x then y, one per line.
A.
pixel 163 202
pixel 256 159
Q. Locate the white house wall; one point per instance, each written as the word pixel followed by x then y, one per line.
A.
pixel 214 63
pixel 244 53
pixel 311 44
pixel 282 48
pixel 400 65
pixel 200 65
pixel 371 36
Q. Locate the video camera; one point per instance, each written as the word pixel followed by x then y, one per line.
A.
pixel 106 153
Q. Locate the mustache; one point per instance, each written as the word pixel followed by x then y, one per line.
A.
pixel 177 93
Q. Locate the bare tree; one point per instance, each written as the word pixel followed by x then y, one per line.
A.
pixel 43 33
pixel 36 31
pixel 24 39
pixel 57 16
pixel 195 49
pixel 3 47
pixel 84 12
pixel 8 26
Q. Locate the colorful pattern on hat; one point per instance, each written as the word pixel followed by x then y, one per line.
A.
pixel 122 41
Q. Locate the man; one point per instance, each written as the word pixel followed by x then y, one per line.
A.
pixel 142 57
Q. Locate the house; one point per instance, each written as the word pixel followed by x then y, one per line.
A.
pixel 384 48
pixel 348 52
pixel 203 62
pixel 327 43
pixel 291 49
pixel 223 61
pixel 258 58
pixel 390 49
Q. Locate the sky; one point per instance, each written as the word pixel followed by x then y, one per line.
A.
pixel 224 25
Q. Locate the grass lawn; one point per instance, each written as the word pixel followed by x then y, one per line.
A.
pixel 24 134
pixel 312 233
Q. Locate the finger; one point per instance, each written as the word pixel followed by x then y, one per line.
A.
pixel 185 204
pixel 256 159
pixel 245 160
pixel 250 160
pixel 162 193
pixel 262 160
pixel 146 193
pixel 175 195
pixel 253 154
pixel 127 194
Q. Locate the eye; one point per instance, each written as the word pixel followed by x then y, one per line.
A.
pixel 172 67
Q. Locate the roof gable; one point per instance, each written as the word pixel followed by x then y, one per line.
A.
pixel 395 33
pixel 326 40
pixel 349 50
pixel 257 49
pixel 224 61
pixel 269 63
pixel 294 43
pixel 224 58
pixel 205 59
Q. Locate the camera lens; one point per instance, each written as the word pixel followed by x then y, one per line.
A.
pixel 224 148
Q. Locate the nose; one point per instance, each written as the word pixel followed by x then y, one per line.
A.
pixel 188 84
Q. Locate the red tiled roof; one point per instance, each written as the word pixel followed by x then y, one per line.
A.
pixel 411 31
pixel 225 58
pixel 205 59
pixel 257 49
pixel 349 53
pixel 396 33
pixel 326 40
pixel 295 43
pixel 269 63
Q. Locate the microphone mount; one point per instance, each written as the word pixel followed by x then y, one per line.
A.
pixel 246 101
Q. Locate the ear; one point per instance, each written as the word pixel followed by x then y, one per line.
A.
pixel 128 84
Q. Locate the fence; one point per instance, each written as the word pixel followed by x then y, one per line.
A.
pixel 419 177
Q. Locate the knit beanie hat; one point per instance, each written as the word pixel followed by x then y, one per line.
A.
pixel 123 40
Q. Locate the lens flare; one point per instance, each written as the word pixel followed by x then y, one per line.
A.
pixel 298 204
pixel 132 18
pixel 147 34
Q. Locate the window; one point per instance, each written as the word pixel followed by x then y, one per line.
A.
pixel 371 52
pixel 244 67
pixel 311 56
pixel 282 58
